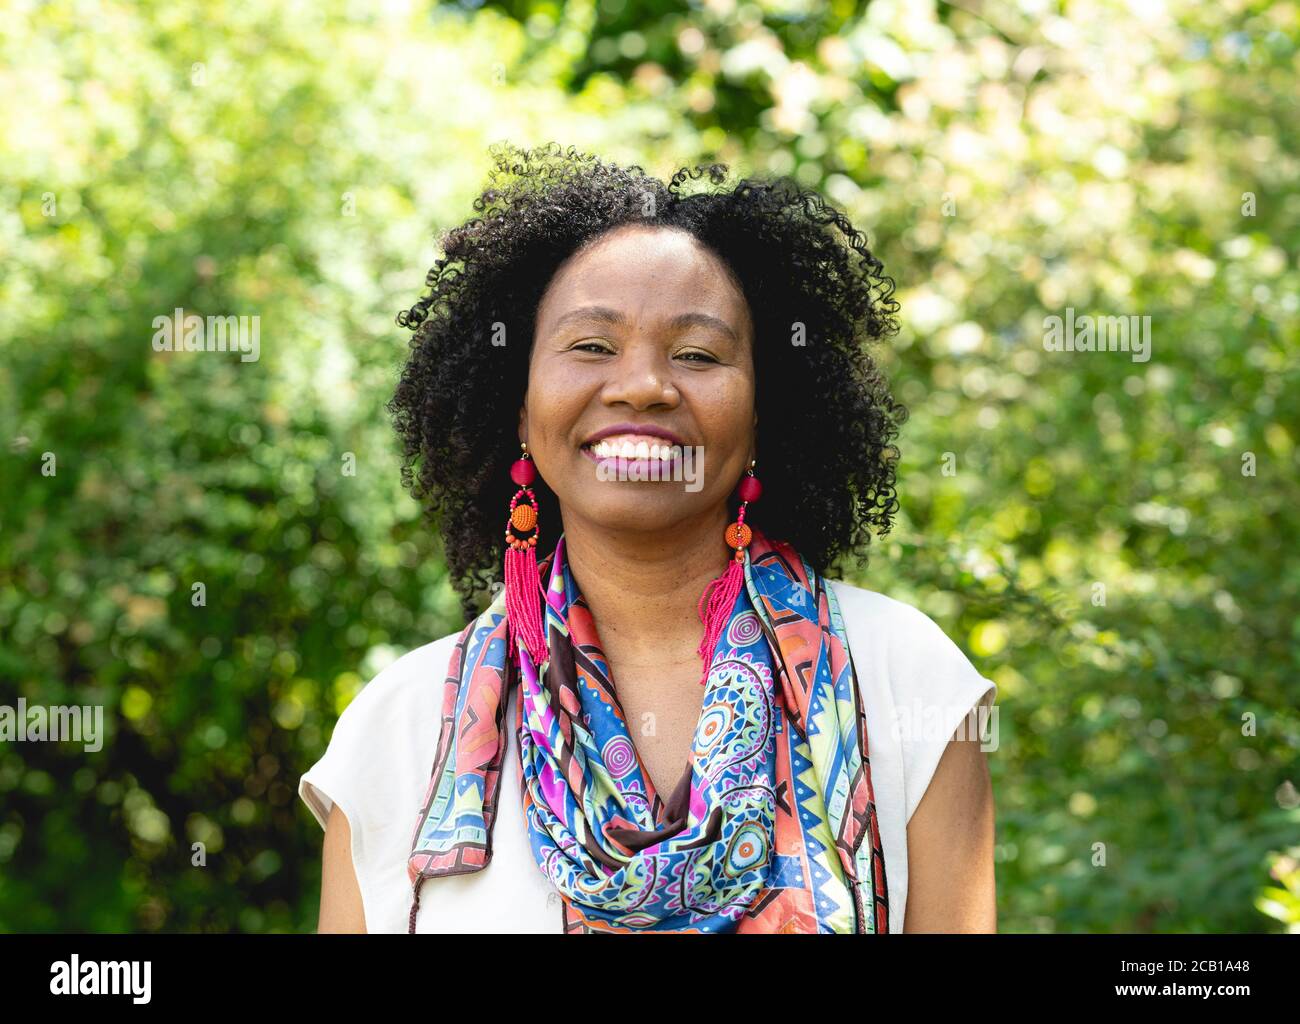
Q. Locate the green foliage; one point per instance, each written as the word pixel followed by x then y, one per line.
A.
pixel 1113 541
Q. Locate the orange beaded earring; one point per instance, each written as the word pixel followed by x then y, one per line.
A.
pixel 720 595
pixel 523 584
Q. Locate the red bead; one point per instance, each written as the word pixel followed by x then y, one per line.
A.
pixel 750 488
pixel 522 472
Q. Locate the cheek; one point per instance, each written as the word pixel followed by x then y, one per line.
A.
pixel 555 403
pixel 727 412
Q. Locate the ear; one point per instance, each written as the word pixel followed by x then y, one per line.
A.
pixel 523 421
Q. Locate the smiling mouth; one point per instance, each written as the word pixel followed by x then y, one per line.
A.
pixel 636 447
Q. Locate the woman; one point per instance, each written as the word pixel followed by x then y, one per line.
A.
pixel 667 718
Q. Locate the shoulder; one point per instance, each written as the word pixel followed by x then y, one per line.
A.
pixel 412 679
pixel 880 613
pixel 383 741
pixel 904 637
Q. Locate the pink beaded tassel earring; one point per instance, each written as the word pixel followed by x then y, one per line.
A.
pixel 722 592
pixel 522 582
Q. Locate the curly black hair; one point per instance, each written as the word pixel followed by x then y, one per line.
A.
pixel 827 418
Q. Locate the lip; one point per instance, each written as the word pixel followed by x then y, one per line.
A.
pixel 648 429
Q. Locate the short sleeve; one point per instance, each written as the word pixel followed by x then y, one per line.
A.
pixel 329 780
pixel 936 691
pixel 378 759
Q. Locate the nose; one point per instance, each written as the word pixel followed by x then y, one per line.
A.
pixel 641 377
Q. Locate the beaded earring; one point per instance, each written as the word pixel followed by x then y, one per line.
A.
pixel 720 595
pixel 523 584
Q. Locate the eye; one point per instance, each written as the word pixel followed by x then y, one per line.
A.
pixel 590 346
pixel 702 357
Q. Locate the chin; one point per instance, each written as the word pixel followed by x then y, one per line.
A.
pixel 635 507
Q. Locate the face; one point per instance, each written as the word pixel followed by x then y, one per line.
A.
pixel 642 331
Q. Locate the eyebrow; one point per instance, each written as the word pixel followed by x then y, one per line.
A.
pixel 605 315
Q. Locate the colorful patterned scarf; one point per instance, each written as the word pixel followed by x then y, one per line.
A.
pixel 772 827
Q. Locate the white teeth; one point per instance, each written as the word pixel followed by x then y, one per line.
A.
pixel 613 449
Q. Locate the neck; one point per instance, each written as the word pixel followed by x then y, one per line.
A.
pixel 643 589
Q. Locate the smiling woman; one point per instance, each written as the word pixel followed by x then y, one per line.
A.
pixel 669 718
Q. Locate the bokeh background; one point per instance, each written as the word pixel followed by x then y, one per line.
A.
pixel 294 161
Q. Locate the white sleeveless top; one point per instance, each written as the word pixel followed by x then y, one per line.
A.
pixel 917 687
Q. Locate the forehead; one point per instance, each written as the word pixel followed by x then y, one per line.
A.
pixel 646 271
